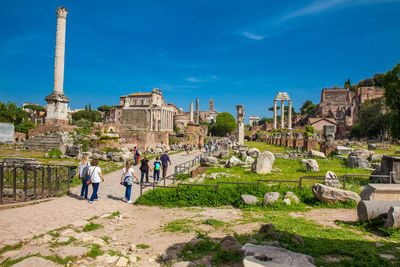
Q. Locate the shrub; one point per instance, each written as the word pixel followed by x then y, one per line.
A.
pixel 55 153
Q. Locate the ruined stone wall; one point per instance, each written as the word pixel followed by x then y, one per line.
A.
pixel 144 139
pixel 292 142
pixel 134 120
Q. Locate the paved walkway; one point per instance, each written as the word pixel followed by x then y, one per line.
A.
pixel 23 223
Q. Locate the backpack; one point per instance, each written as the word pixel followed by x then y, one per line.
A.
pixel 85 172
pixel 157 165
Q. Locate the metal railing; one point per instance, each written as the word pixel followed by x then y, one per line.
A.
pixel 24 182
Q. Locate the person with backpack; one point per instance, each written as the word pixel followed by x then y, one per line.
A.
pixel 157 167
pixel 83 171
pixel 96 177
pixel 144 169
pixel 127 180
pixel 136 156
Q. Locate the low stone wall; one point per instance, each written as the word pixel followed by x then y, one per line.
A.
pixel 292 142
pixel 44 129
pixel 144 139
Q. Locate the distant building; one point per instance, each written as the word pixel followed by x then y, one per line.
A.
pixel 209 116
pixel 254 120
pixel 144 112
pixel 36 116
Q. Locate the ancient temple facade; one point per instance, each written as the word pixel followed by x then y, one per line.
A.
pixel 143 112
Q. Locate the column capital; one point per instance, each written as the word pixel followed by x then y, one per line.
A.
pixel 62 12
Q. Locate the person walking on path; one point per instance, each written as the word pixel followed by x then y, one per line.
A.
pixel 83 171
pixel 144 169
pixel 136 156
pixel 96 177
pixel 127 180
pixel 157 167
pixel 164 161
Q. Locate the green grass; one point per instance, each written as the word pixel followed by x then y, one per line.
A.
pixel 106 239
pixel 56 244
pixel 214 222
pixel 142 246
pixel 92 226
pixel 114 214
pixel 9 248
pixel 180 225
pixel 95 251
pixel 267 147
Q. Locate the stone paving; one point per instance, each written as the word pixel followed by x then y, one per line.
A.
pixel 23 223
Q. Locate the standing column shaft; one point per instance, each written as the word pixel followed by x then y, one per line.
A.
pixel 290 115
pixel 191 113
pixel 197 111
pixel 282 114
pixel 60 51
pixel 275 118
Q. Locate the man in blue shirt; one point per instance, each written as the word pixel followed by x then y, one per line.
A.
pixel 164 161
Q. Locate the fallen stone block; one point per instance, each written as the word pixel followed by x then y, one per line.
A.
pixel 387 192
pixel 333 195
pixel 393 218
pixel 370 209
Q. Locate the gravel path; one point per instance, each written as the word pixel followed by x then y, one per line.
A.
pixel 23 223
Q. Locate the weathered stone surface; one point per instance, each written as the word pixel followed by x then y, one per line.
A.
pixel 249 160
pixel 263 163
pixel 312 165
pixel 70 251
pixel 376 157
pixel 208 161
pixel 362 153
pixel 231 245
pixel 273 256
pixel 389 192
pixel 271 197
pixel 286 201
pixel 183 264
pixel 253 152
pixel 317 154
pixel 266 228
pixel 35 261
pixel 387 256
pixel 393 218
pixel 292 196
pixel 122 262
pixel 332 180
pixel 107 259
pixel 249 199
pixel 358 162
pixel 370 209
pixel 333 195
pixel 340 150
pixel 233 161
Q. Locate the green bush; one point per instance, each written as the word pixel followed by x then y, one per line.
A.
pixel 55 153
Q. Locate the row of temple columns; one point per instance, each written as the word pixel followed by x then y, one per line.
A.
pixel 161 120
pixel 283 115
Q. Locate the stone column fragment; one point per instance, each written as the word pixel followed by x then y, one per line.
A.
pixel 275 118
pixel 290 115
pixel 282 114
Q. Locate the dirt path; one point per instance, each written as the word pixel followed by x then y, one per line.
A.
pixel 23 223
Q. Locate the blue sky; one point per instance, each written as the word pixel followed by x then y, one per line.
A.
pixel 236 52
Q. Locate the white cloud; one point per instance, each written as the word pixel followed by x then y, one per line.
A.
pixel 193 79
pixel 253 36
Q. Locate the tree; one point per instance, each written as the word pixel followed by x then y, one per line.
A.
pixel 347 84
pixel 309 131
pixel 176 128
pixel 373 120
pixel 92 116
pixel 378 79
pixel 34 107
pixel 11 113
pixel 106 109
pixel 272 108
pixel 391 83
pixel 307 107
pixel 225 123
pixel 265 120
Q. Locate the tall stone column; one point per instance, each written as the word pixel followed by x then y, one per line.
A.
pixel 282 114
pixel 191 113
pixel 57 102
pixel 290 115
pixel 275 118
pixel 240 123
pixel 197 111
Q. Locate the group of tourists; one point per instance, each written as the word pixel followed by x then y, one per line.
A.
pixel 90 173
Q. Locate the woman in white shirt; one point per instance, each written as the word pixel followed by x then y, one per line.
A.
pixel 127 180
pixel 95 178
pixel 84 174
